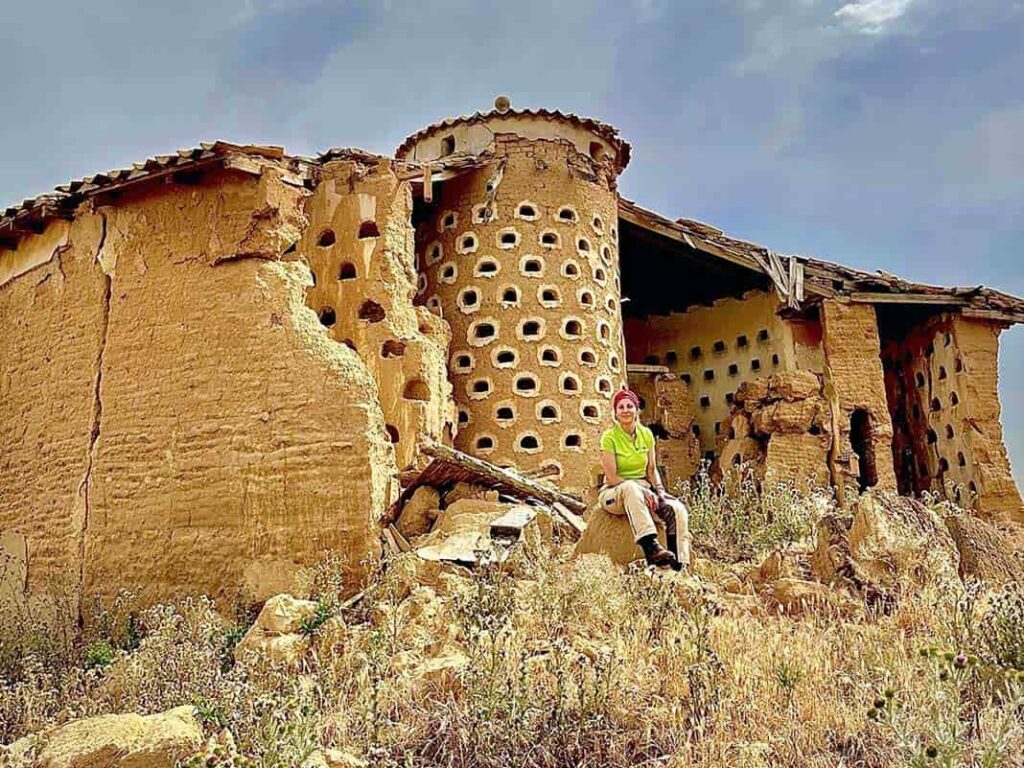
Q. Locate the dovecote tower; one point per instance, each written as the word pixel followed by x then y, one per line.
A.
pixel 517 249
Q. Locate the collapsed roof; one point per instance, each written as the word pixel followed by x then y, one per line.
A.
pixel 737 263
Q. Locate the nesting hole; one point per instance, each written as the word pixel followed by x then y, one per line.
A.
pixel 347 271
pixel 326 239
pixel 371 311
pixel 328 317
pixel 416 389
pixel 368 229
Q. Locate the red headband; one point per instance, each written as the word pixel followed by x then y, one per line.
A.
pixel 625 394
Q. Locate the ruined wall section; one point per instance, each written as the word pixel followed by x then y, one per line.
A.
pixel 713 350
pixel 780 428
pixel 854 381
pixel 521 258
pixel 997 493
pixel 53 315
pixel 941 380
pixel 174 418
pixel 666 407
pixel 359 245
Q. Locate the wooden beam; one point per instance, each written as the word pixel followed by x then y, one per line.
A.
pixel 993 314
pixel 907 298
pixel 644 368
pixel 507 477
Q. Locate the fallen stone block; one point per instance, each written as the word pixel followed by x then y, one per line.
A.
pixel 123 741
pixel 419 512
pixel 986 553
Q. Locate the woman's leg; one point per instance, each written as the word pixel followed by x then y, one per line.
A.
pixel 677 527
pixel 631 495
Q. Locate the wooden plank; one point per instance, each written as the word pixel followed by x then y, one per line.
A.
pixel 993 314
pixel 906 298
pixel 644 368
pixel 573 520
pixel 495 475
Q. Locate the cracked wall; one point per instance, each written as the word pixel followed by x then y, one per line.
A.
pixel 666 407
pixel 359 245
pixel 226 439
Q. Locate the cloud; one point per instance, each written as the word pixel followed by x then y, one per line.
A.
pixel 872 16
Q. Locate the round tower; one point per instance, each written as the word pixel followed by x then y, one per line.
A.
pixel 518 251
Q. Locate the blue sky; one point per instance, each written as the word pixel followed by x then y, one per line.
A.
pixel 878 133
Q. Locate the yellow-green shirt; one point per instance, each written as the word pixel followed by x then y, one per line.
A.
pixel 630 452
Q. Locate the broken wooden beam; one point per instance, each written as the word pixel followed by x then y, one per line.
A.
pixel 503 479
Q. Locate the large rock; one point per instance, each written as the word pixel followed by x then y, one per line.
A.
pixel 797 597
pixel 276 634
pixel 986 552
pixel 419 512
pixel 891 542
pixel 611 535
pixel 123 741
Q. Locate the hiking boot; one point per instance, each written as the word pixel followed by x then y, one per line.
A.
pixel 657 555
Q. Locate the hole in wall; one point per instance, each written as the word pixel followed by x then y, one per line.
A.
pixel 416 389
pixel 467 243
pixel 862 442
pixel 550 239
pixel 954 399
pixel 347 271
pixel 529 442
pixel 550 356
pixel 368 229
pixel 587 357
pixel 392 431
pixel 590 411
pixel 508 238
pixel 510 295
pixel 463 416
pixel 484 330
pixel 549 296
pixel 596 151
pixel 463 362
pixel 505 358
pixel 392 348
pixel 328 317
pixel 484 443
pixel 961 459
pixel 531 330
pixel 572 329
pixel 326 238
pixel 371 311
pixel 548 412
pixel 597 224
pixel 569 383
pixel 570 269
pixel 447 146
pixel 531 266
pixel 572 440
pixel 527 211
pixel 525 384
pixel 487 267
pixel 566 214
pixel 505 414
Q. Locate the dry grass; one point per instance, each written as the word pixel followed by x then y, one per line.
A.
pixel 575 664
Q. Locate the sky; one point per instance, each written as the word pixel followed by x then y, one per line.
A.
pixel 877 133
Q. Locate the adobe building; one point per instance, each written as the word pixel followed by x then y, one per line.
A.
pixel 216 364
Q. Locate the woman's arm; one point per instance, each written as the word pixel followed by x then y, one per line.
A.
pixel 653 476
pixel 611 476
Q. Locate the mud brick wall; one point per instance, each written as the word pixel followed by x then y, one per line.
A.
pixel 54 320
pixel 854 381
pixel 359 245
pixel 521 258
pixel 713 350
pixel 175 419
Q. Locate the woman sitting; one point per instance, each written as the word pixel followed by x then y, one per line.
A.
pixel 633 487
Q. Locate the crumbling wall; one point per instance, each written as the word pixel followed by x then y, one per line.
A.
pixel 53 316
pixel 780 426
pixel 666 407
pixel 997 493
pixel 713 350
pixel 359 245
pixel 855 387
pixel 941 380
pixel 521 258
pixel 178 419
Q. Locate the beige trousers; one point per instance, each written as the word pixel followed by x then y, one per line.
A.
pixel 627 498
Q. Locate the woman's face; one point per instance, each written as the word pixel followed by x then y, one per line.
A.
pixel 625 412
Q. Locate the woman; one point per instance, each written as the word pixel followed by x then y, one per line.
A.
pixel 633 487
